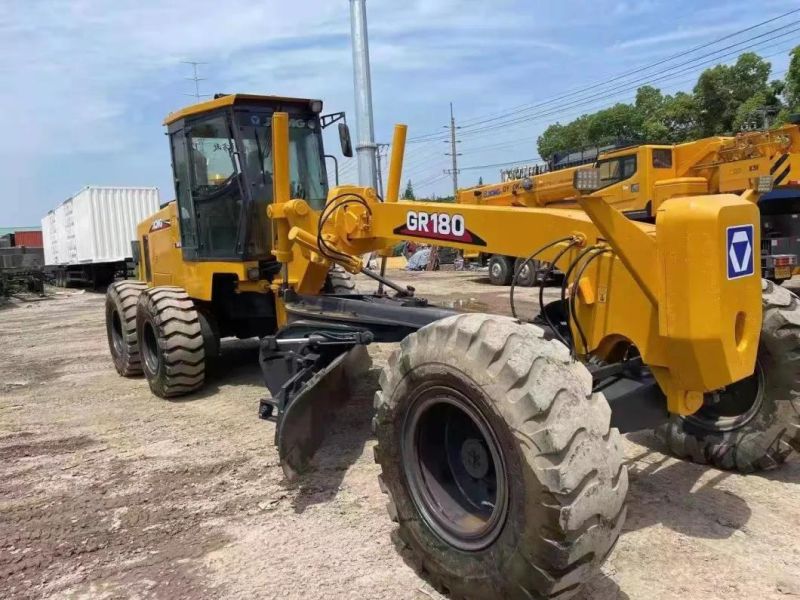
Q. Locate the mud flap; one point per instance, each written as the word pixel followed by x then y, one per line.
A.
pixel 302 426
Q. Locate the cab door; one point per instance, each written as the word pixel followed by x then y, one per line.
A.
pixel 619 181
pixel 183 195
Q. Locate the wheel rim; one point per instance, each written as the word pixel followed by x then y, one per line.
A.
pixel 497 270
pixel 116 332
pixel 455 469
pixel 524 272
pixel 733 406
pixel 150 348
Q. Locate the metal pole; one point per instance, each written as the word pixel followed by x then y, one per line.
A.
pixel 336 166
pixel 454 172
pixel 365 131
pixel 453 153
pixel 382 148
pixel 379 173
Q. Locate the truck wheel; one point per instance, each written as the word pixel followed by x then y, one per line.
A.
pixel 501 270
pixel 121 299
pixel 753 424
pixel 527 272
pixel 171 341
pixel 501 470
pixel 339 281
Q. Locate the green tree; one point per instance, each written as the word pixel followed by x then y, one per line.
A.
pixel 621 122
pixel 750 113
pixel 480 181
pixel 408 194
pixel 791 91
pixel 721 90
pixel 679 119
pixel 725 99
pixel 559 138
pixel 649 102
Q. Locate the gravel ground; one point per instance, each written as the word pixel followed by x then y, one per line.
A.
pixel 108 492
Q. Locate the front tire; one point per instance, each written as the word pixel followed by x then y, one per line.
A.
pixel 171 342
pixel 501 469
pixel 753 424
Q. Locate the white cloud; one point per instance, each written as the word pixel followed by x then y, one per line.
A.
pixel 678 35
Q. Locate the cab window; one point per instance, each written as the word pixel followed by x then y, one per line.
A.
pixel 217 199
pixel 614 170
pixel 662 158
pixel 180 164
pixel 212 156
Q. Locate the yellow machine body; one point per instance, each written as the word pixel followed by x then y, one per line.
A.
pixel 163 263
pixel 695 328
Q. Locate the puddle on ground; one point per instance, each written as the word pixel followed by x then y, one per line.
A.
pixel 465 305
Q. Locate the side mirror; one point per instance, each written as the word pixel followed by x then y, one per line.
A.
pixel 344 140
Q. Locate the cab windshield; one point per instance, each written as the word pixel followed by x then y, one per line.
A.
pixel 307 174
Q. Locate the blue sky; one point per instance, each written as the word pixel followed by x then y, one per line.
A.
pixel 88 82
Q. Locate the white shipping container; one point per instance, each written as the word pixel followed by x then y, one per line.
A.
pixel 96 225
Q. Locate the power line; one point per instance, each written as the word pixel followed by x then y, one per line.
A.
pixel 634 83
pixel 662 61
pixel 501 164
pixel 422 159
pixel 436 177
pixel 606 94
pixel 528 107
pixel 434 169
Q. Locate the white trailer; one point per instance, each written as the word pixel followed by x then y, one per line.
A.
pixel 87 238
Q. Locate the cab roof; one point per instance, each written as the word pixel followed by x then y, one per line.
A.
pixel 230 100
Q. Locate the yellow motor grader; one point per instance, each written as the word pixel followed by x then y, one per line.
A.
pixel 498 438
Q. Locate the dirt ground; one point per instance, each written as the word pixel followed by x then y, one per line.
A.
pixel 108 492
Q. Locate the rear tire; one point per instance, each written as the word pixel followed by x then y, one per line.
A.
pixel 171 342
pixel 754 424
pixel 123 342
pixel 502 473
pixel 501 269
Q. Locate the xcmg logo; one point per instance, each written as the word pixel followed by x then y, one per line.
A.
pixel 740 251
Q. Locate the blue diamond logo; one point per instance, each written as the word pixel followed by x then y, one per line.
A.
pixel 740 251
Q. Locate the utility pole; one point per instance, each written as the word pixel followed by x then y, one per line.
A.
pixel 365 131
pixel 196 78
pixel 381 151
pixel 453 153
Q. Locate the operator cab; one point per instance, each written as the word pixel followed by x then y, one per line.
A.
pixel 222 167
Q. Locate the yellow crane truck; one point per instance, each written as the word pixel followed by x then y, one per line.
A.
pixel 638 179
pixel 497 438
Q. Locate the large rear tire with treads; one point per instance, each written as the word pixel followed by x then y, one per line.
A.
pixel 123 343
pixel 502 472
pixel 339 281
pixel 171 342
pixel 753 424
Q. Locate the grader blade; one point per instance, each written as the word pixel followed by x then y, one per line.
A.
pixel 301 430
pixel 308 370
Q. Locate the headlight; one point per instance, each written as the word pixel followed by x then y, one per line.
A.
pixel 763 184
pixel 316 106
pixel 586 180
